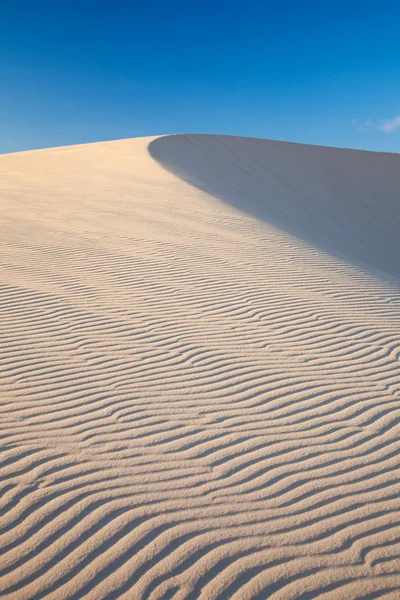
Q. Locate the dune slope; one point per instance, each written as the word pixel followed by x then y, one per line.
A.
pixel 346 202
pixel 200 371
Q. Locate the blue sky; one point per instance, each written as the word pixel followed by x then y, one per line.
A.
pixel 317 72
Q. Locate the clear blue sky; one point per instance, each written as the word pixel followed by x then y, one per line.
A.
pixel 318 72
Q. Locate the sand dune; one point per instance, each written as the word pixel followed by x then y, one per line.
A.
pixel 200 345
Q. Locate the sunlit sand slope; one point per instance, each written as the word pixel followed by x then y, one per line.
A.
pixel 200 377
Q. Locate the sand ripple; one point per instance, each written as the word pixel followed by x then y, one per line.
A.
pixel 195 402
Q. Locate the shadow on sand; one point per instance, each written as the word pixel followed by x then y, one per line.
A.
pixel 344 202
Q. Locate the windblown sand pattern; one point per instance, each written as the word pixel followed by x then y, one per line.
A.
pixel 200 378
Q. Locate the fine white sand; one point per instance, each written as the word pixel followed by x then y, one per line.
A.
pixel 200 378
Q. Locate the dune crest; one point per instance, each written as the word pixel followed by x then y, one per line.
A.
pixel 200 371
pixel 341 201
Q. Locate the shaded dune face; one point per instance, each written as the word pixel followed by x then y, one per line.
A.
pixel 345 202
pixel 199 372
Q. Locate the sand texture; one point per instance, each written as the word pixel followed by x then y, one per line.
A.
pixel 200 376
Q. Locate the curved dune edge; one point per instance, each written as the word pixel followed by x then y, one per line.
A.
pixel 197 400
pixel 344 202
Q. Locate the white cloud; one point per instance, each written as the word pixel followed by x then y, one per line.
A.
pixel 385 126
pixel 391 125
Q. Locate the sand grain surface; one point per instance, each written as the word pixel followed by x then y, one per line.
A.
pixel 200 378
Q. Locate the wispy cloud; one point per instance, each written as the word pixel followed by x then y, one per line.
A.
pixel 386 126
pixel 361 126
pixel 390 125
